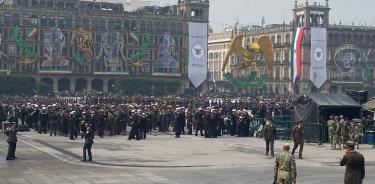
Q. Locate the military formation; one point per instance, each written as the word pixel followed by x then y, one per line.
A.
pixel 207 117
pixel 341 130
pixel 204 116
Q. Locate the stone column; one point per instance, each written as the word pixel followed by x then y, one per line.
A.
pixel 89 84
pixel 105 85
pixel 55 84
pixel 72 85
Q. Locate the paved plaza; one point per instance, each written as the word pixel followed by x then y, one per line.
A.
pixel 164 159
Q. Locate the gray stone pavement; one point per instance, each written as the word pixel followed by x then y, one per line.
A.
pixel 164 159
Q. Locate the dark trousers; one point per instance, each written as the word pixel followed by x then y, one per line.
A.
pixel 53 129
pixel 269 145
pixel 134 133
pixel 43 127
pixel 88 148
pixel 300 148
pixel 11 150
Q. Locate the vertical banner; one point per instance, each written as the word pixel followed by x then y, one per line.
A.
pixel 296 53
pixel 198 53
pixel 318 65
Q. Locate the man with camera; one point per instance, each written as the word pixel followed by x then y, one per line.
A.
pixel 12 140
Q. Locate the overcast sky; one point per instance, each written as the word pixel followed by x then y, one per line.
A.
pixel 224 12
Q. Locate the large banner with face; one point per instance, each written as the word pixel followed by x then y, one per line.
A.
pixel 111 51
pixel 54 42
pixel 198 53
pixel 318 66
pixel 168 51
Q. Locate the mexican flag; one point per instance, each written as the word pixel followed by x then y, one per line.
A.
pixel 296 53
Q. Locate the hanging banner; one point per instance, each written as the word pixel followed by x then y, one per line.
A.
pixel 296 53
pixel 198 53
pixel 318 65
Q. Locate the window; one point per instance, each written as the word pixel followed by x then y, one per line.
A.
pixel 102 24
pixel 42 3
pixel 61 23
pixel 68 23
pixel 95 24
pixel 25 21
pixel 8 19
pixel 86 23
pixel 77 22
pixel 12 49
pixel 43 21
pixel 118 24
pixel 49 4
pixel 34 20
pixel 126 25
pixel 34 3
pixel 52 22
pixel 111 24
pixel 60 5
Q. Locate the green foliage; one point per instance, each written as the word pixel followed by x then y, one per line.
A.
pixel 143 49
pixel 78 58
pixel 26 50
pixel 247 81
pixel 17 85
pixel 147 86
pixel 366 66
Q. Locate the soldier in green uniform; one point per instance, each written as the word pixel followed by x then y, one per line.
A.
pixel 337 136
pixel 331 129
pixel 358 132
pixel 345 131
pixel 285 167
pixel 298 138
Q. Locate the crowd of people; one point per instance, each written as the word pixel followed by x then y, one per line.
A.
pixel 200 115
pixel 84 115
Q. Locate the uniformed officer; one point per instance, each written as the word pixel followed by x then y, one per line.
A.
pixel 331 129
pixel 89 140
pixel 298 138
pixel 270 136
pixel 12 140
pixel 337 138
pixel 285 167
pixel 355 165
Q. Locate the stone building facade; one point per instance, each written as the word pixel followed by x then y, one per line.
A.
pixel 74 45
pixel 350 57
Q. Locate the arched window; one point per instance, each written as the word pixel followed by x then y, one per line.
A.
pixel 77 22
pixel 86 23
pixel 126 25
pixel 61 23
pixel 52 22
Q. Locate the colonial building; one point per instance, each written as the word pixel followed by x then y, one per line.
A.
pixel 350 57
pixel 86 44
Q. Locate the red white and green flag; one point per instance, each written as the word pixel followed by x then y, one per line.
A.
pixel 296 53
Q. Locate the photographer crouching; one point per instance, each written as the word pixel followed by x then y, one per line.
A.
pixel 11 132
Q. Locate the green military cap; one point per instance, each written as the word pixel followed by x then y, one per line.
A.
pixel 349 144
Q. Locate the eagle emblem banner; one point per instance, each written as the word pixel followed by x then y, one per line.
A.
pixel 198 53
pixel 318 66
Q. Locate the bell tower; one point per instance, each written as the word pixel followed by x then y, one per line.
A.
pixel 194 10
pixel 311 15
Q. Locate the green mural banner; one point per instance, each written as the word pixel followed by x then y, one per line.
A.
pixel 366 65
pixel 186 58
pixel 78 58
pixel 143 49
pixel 26 49
pixel 247 81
